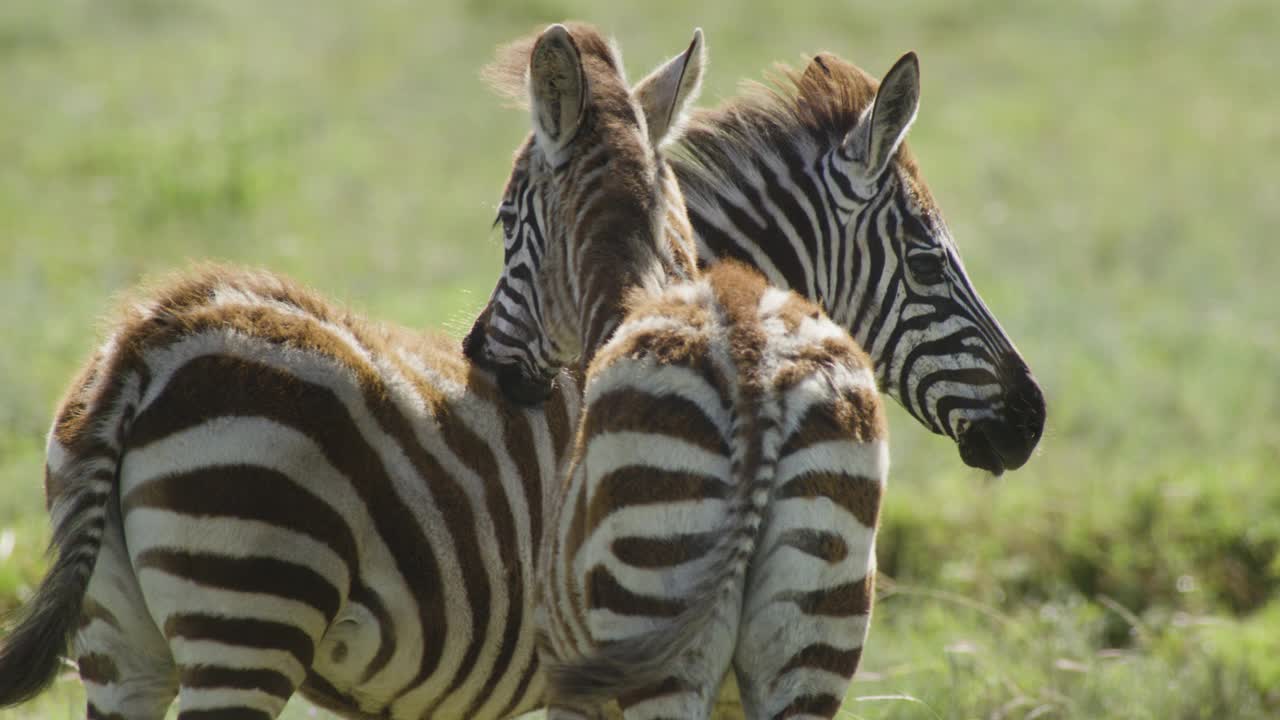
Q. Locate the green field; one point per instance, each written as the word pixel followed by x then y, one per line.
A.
pixel 1108 168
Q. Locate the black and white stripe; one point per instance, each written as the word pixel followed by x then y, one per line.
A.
pixel 811 184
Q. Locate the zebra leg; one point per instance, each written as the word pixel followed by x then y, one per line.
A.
pixel 806 613
pixel 124 660
pixel 694 686
pixel 560 712
pixel 242 603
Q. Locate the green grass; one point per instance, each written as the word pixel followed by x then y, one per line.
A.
pixel 1107 167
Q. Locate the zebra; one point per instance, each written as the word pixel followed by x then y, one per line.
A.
pixel 720 503
pixel 255 492
pixel 510 455
pixel 792 180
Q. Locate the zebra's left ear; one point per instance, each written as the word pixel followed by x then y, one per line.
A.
pixel 884 126
pixel 667 92
pixel 558 88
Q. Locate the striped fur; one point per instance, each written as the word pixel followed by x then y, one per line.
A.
pixel 726 478
pixel 720 509
pixel 498 455
pixel 812 183
pixel 256 492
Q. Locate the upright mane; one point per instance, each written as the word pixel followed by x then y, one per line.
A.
pixel 792 115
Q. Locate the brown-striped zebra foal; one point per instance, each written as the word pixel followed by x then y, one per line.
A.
pixel 720 505
pixel 254 491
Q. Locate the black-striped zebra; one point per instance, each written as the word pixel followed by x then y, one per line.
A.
pixel 721 501
pixel 790 179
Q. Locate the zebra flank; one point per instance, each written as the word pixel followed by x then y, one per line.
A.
pixel 720 504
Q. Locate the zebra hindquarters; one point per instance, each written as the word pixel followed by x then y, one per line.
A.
pixel 639 535
pixel 809 591
pixel 242 567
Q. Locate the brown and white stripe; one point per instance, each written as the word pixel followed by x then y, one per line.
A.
pixel 726 477
pixel 307 500
pixel 747 161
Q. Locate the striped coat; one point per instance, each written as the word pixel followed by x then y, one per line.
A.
pixel 306 500
pixel 720 511
pixel 721 501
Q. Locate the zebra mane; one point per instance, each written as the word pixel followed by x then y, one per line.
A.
pixel 792 115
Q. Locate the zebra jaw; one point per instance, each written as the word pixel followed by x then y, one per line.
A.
pixel 519 388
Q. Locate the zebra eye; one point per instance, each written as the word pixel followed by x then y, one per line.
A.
pixel 926 268
pixel 508 220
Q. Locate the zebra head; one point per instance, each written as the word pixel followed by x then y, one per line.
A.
pixel 588 183
pixel 813 184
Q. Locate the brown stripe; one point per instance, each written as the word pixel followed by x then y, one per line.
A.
pixel 846 600
pixel 477 455
pixel 366 596
pixel 225 714
pixel 669 551
pixel 319 691
pixel 248 492
pixel 827 546
pixel 216 677
pixel 242 632
pixel 855 416
pixel 629 410
pixel 215 386
pixel 858 495
pixel 259 575
pixel 821 656
pixel 97 668
pixel 518 700
pixel 605 593
pixel 556 411
pixel 563 569
pixel 669 686
pixel 91 610
pixel 635 485
pixel 518 440
pixel 817 705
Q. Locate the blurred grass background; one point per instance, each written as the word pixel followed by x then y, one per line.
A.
pixel 1108 167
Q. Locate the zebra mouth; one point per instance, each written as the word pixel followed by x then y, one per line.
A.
pixel 995 446
pixel 519 388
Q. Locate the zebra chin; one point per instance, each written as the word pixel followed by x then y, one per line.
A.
pixel 1006 443
pixel 520 389
pixel 515 385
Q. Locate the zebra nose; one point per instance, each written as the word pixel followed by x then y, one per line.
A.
pixel 1024 414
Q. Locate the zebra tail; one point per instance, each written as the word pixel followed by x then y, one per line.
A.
pixel 44 627
pixel 615 668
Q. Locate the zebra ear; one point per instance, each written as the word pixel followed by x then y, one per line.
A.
pixel 883 127
pixel 558 88
pixel 667 92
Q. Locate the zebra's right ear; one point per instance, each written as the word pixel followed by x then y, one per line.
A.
pixel 884 125
pixel 558 88
pixel 668 91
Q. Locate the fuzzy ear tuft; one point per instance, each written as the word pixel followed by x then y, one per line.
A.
pixel 557 87
pixel 666 94
pixel 884 126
